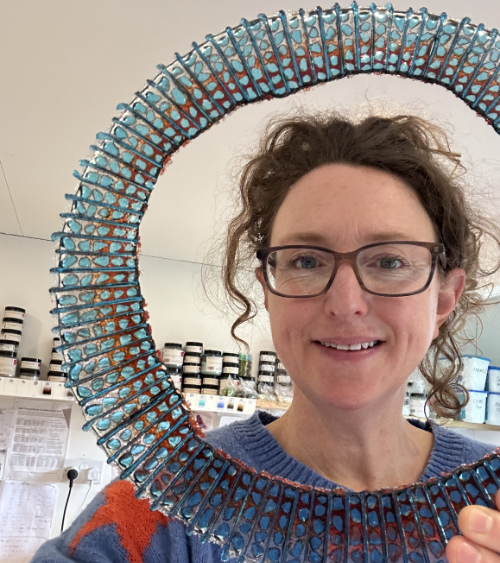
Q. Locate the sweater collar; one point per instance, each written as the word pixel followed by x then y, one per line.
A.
pixel 267 454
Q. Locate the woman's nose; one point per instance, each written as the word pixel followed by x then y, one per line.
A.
pixel 345 297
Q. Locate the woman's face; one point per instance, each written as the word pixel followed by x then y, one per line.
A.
pixel 342 208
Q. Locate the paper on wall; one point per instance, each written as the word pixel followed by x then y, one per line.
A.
pixel 38 443
pixel 26 513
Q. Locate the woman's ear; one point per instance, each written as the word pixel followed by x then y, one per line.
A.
pixel 448 295
pixel 259 274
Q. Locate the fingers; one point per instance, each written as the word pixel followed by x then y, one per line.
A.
pixel 460 550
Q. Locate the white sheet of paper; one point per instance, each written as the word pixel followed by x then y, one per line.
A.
pixel 26 513
pixel 6 426
pixel 39 439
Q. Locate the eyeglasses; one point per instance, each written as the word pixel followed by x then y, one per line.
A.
pixel 393 269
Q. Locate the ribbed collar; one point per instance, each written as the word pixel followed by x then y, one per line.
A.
pixel 264 453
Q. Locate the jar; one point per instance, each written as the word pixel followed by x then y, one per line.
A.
pixel 267 367
pixel 31 364
pixel 211 362
pixel 265 377
pixel 210 390
pixel 56 376
pixel 417 405
pixel 191 369
pixel 267 356
pixel 230 369
pixel 173 355
pixel 32 374
pixel 8 363
pixel 191 384
pixel 283 378
pixel 176 376
pixel 56 341
pixel 8 346
pixel 56 356
pixel 11 335
pixel 196 347
pixel 12 324
pixel 230 358
pixel 192 358
pixel 56 365
pixel 15 313
pixel 280 366
pixel 210 381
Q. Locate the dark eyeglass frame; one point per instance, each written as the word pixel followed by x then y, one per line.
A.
pixel 437 250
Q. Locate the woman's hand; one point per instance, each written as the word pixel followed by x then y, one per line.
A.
pixel 480 542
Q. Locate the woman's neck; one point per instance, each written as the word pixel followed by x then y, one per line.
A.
pixel 359 450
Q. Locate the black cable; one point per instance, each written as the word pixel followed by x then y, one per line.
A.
pixel 72 474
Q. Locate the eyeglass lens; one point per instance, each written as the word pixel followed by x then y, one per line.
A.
pixel 386 269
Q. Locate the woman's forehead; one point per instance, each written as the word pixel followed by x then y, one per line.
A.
pixel 340 201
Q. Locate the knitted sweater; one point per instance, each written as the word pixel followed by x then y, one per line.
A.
pixel 116 527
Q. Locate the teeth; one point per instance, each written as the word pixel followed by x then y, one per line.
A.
pixel 363 345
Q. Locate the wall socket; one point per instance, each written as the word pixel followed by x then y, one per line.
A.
pixel 86 468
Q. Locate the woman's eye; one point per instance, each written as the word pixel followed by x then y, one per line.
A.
pixel 305 262
pixel 390 263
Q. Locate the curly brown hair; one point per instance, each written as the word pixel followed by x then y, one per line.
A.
pixel 412 149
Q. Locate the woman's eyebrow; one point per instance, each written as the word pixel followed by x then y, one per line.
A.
pixel 317 238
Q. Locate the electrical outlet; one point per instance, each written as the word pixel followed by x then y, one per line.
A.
pixel 89 470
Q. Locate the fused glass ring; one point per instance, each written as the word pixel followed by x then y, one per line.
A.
pixel 124 391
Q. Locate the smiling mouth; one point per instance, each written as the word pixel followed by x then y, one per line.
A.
pixel 351 347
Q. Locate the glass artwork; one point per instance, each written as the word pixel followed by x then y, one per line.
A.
pixel 126 396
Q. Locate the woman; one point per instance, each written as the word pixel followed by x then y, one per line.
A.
pixel 368 262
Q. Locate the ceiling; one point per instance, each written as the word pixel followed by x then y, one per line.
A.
pixel 65 65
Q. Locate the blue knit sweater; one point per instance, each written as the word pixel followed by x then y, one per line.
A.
pixel 116 527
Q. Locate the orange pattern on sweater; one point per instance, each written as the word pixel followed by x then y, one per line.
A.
pixel 132 517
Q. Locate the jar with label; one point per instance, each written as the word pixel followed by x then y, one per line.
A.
pixel 267 356
pixel 230 358
pixel 196 347
pixel 176 376
pixel 208 389
pixel 417 405
pixel 191 369
pixel 8 346
pixel 31 364
pixel 14 313
pixel 56 365
pixel 267 367
pixel 56 376
pixel 32 374
pixel 191 383
pixel 211 362
pixel 56 356
pixel 192 358
pixel 11 335
pixel 8 363
pixel 173 355
pixel 12 324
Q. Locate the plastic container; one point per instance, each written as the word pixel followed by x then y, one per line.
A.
pixel 475 410
pixel 211 362
pixel 56 366
pixel 267 356
pixel 191 381
pixel 173 355
pixel 15 313
pixel 494 379
pixel 191 369
pixel 267 367
pixel 31 364
pixel 474 372
pixel 230 358
pixel 196 347
pixel 56 356
pixel 210 390
pixel 11 335
pixel 493 408
pixel 57 376
pixel 8 346
pixel 32 374
pixel 12 324
pixel 192 358
pixel 8 363
pixel 230 369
